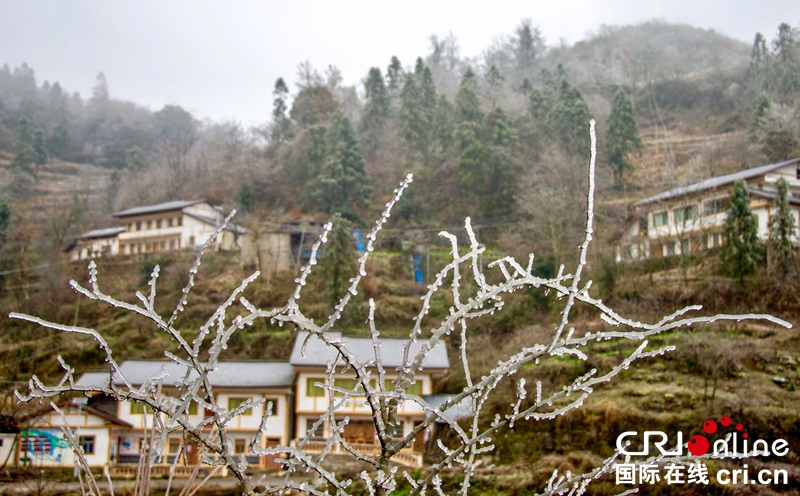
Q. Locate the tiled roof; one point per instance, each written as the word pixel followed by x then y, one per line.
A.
pixel 216 222
pixel 460 410
pixel 161 207
pixel 108 232
pixel 319 354
pixel 227 374
pixel 715 182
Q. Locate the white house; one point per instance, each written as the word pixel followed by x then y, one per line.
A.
pixel 311 400
pixel 172 226
pixel 97 243
pixel 163 227
pixel 233 383
pixel 44 444
pixel 690 218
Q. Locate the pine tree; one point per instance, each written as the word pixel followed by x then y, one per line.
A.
pixel 469 116
pixel 568 117
pixel 244 198
pixel 343 185
pixel 281 130
pixel 782 230
pixel 61 141
pixel 39 147
pixel 25 156
pixel 394 74
pixel 740 251
pixel 339 259
pixel 413 120
pixel 622 136
pixel 376 109
pixel 443 122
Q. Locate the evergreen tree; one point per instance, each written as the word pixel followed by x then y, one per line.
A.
pixel 394 74
pixel 343 185
pixel 468 116
pixel 428 89
pixel 376 109
pixel 782 230
pixel 135 159
pixel 281 130
pixel 740 251
pixel 339 259
pixel 622 136
pixel 244 198
pixel 443 122
pixel 761 111
pixel 413 120
pixel 25 156
pixel 61 141
pixel 39 147
pixel 568 118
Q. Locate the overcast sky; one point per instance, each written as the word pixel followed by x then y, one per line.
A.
pixel 220 59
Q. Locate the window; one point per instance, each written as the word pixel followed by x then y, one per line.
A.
pixel 715 206
pixel 239 446
pixel 643 225
pixel 398 430
pixel 685 214
pixel 274 402
pixel 314 432
pixel 415 389
pixel 660 219
pixel 314 390
pixel 686 247
pixel 174 446
pixel 345 384
pixel 670 248
pixel 235 402
pixel 149 224
pixel 191 240
pixel 138 408
pixel 87 444
pixel 180 221
pixel 139 226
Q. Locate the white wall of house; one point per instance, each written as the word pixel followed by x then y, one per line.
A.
pixel 310 407
pixel 45 445
pixel 94 248
pixel 277 424
pixel 6 445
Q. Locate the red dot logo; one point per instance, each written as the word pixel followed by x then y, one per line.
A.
pixel 744 435
pixel 725 421
pixel 710 427
pixel 698 445
pixel 739 427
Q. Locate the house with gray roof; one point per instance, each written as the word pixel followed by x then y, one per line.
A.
pixel 167 226
pixel 233 383
pixel 690 218
pixel 310 359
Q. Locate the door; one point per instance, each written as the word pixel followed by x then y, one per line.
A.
pixel 269 460
pixel 192 454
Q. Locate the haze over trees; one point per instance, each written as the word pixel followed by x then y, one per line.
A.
pixel 507 126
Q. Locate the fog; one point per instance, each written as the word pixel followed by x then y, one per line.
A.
pixel 220 59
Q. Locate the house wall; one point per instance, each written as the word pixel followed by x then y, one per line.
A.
pixel 6 445
pixel 94 248
pixel 704 231
pixel 173 230
pixel 43 444
pixel 277 425
pixel 311 407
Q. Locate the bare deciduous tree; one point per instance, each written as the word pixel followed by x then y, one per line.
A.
pixel 473 296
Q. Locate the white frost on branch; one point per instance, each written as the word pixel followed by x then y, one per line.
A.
pixel 474 436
